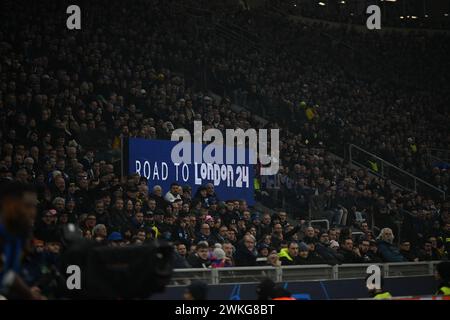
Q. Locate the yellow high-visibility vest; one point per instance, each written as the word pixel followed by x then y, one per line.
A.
pixel 382 296
pixel 309 114
pixel 445 291
pixel 373 166
pixel 256 184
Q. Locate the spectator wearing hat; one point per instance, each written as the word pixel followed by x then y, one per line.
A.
pixel 334 245
pixel 324 250
pixel 219 259
pixel 115 239
pixel 304 255
pixel 263 250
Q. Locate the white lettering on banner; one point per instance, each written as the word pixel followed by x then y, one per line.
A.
pixel 147 169
pixel 155 173
pixel 197 181
pixel 221 173
pixel 176 170
pixel 164 171
pixel 138 167
pixel 144 168
pixel 185 172
pixel 203 172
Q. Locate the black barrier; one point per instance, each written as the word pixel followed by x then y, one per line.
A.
pixel 314 290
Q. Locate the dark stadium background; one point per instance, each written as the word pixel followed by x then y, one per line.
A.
pixel 365 140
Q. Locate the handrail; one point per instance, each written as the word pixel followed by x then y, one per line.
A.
pixel 415 178
pixel 431 153
pixel 310 266
pixel 357 270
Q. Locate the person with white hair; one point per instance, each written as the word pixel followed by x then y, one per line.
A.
pixel 157 195
pixel 388 251
pixel 99 232
pixel 59 204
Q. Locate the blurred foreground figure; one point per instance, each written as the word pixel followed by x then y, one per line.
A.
pixel 197 290
pixel 269 290
pixel 443 276
pixel 17 212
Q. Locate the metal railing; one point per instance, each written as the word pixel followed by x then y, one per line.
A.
pixel 438 155
pixel 235 275
pixel 399 177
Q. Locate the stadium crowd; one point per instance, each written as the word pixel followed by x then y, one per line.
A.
pixel 67 98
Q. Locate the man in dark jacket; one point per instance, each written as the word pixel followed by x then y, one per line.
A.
pixel 387 250
pixel 245 253
pixel 204 234
pixel 366 254
pixel 407 252
pixel 199 259
pixel 230 216
pixel 330 256
pixel 119 220
pixel 47 229
pixel 350 255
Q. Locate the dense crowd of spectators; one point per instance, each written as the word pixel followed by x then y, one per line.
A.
pixel 68 97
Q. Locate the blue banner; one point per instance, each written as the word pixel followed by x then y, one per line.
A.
pixel 152 159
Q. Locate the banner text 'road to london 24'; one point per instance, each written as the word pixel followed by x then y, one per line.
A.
pixel 152 159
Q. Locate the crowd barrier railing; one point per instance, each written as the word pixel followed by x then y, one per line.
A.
pixel 236 275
